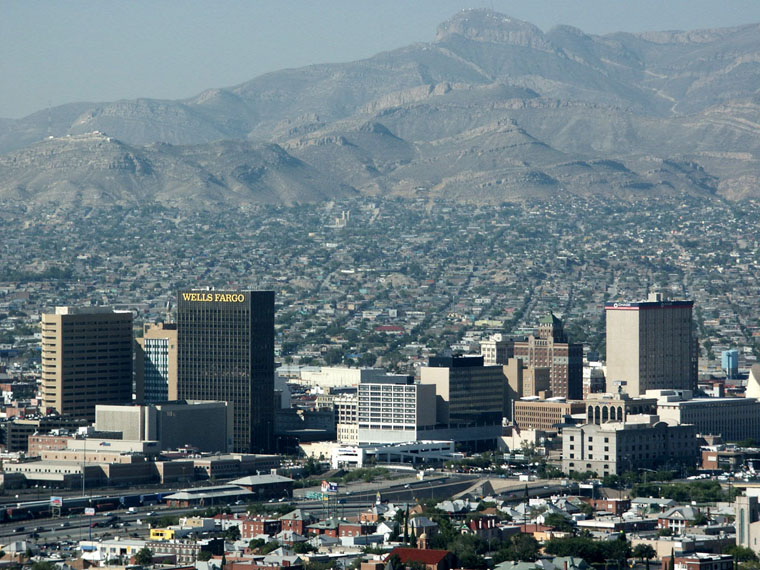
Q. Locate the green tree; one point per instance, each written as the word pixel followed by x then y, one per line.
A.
pixel 741 553
pixel 43 565
pixel 204 555
pixel 318 565
pixel 255 543
pixel 333 356
pixel 144 556
pixel 232 533
pixel 270 546
pixel 521 547
pixel 303 548
pixel 559 522
pixel 644 552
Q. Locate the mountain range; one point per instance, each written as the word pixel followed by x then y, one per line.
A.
pixel 492 110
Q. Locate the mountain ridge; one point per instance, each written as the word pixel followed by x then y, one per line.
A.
pixel 492 109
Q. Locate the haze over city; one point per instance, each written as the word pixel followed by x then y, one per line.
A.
pixel 56 52
pixel 354 285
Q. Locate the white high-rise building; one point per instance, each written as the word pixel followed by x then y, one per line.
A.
pixel 394 410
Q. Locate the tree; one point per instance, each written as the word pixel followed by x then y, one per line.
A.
pixel 204 555
pixel 43 565
pixel 255 543
pixel 559 522
pixel 144 556
pixel 333 356
pixel 741 553
pixel 700 519
pixel 270 546
pixel 644 552
pixel 232 533
pixel 521 547
pixel 303 548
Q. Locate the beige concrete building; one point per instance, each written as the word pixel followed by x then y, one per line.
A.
pixel 497 350
pixel 337 376
pixel 524 381
pixel 734 419
pixel 747 510
pixel 603 408
pixel 206 426
pixel 346 425
pixel 86 359
pixel 650 345
pixel 536 414
pixel 617 447
pixel 156 364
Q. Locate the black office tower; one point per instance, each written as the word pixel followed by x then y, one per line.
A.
pixel 225 351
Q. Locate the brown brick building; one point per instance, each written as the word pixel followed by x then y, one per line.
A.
pixel 552 349
pixel 544 414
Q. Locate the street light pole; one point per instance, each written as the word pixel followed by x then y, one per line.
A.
pixel 84 465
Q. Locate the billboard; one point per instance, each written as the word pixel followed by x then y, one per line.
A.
pixel 56 501
pixel 89 511
pixel 329 487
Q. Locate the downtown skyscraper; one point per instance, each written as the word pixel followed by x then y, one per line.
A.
pixel 651 345
pixel 225 351
pixel 86 359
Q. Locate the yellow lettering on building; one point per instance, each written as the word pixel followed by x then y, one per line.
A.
pixel 214 297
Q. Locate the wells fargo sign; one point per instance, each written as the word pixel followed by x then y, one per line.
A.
pixel 213 297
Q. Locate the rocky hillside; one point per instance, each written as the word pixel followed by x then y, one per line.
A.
pixel 493 109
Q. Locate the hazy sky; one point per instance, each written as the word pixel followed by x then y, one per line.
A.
pixel 55 52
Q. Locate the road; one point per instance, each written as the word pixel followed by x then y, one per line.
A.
pixel 348 503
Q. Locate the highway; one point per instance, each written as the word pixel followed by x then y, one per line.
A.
pixel 348 503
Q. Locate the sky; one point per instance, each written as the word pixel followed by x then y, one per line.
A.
pixel 54 52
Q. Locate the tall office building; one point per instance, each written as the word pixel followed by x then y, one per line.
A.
pixel 156 364
pixel 86 359
pixel 650 345
pixel 552 349
pixel 467 392
pixel 394 409
pixel 225 351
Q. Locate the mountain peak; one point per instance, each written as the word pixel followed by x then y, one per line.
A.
pixel 489 26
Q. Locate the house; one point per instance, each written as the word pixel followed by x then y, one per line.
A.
pixel 387 529
pixel 346 528
pixel 432 559
pixel 558 563
pixel 678 518
pixel 328 526
pixel 418 525
pixel 699 561
pixel 297 521
pixel 485 526
pixel 255 527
